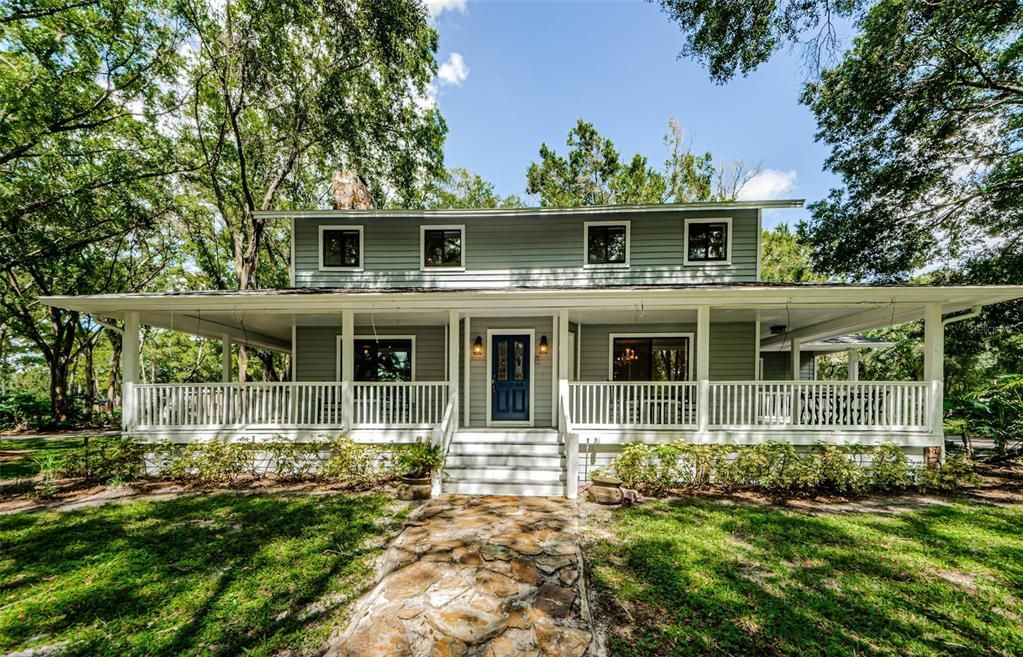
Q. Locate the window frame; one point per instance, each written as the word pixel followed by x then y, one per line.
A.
pixel 611 337
pixel 357 337
pixel 607 265
pixel 422 248
pixel 362 245
pixel 727 261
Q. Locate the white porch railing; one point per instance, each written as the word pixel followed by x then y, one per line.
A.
pixel 841 405
pixel 400 404
pixel 846 405
pixel 192 405
pixel 638 405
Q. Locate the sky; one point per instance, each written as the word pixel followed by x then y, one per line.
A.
pixel 514 74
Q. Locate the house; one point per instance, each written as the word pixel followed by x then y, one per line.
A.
pixel 533 343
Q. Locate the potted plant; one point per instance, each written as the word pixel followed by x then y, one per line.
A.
pixel 416 463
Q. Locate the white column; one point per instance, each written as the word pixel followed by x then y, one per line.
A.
pixel 703 367
pixel 570 438
pixel 347 367
pixel 453 363
pixel 854 364
pixel 796 396
pixel 129 369
pixel 225 358
pixel 934 367
pixel 467 364
pixel 796 353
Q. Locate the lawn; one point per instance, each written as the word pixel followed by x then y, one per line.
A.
pixel 706 577
pixel 18 458
pixel 208 574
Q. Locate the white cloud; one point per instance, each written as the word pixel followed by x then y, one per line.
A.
pixel 453 71
pixel 438 7
pixel 768 184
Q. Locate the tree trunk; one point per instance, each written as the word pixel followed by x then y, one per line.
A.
pixel 64 325
pixel 114 381
pixel 91 384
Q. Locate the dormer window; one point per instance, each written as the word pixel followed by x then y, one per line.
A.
pixel 708 241
pixel 443 247
pixel 341 247
pixel 607 243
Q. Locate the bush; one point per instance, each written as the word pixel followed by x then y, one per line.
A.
pixel 213 462
pixel 352 462
pixel 24 409
pixel 418 459
pixel 781 467
pixel 119 459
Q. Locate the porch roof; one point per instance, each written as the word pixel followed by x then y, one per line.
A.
pixel 264 318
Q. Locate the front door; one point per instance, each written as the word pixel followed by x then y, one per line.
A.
pixel 510 357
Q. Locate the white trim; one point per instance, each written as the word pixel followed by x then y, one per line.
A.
pixel 422 247
pixel 578 348
pixel 294 350
pixel 319 247
pixel 491 332
pixel 760 236
pixel 467 365
pixel 291 264
pixel 611 349
pixel 707 263
pixel 607 265
pixel 758 362
pixel 552 353
pixel 357 336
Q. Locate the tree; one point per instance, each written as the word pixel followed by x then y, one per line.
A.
pixel 283 92
pixel 784 259
pixel 594 173
pixel 84 164
pixel 923 117
pixel 461 188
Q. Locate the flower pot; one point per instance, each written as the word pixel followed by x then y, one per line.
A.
pixel 608 482
pixel 414 488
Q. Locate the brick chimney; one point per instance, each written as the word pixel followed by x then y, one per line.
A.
pixel 351 192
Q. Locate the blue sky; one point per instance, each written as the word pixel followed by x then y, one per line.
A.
pixel 515 74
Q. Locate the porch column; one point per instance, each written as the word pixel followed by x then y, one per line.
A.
pixel 934 367
pixel 453 364
pixel 796 344
pixel 129 369
pixel 703 367
pixel 347 367
pixel 225 358
pixel 467 367
pixel 854 364
pixel 564 419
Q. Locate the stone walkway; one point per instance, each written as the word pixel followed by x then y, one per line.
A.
pixel 476 576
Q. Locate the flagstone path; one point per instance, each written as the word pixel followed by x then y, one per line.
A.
pixel 476 576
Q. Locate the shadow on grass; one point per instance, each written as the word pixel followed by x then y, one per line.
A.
pixel 223 573
pixel 698 578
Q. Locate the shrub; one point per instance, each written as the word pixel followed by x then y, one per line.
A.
pixel 697 463
pixel 213 462
pixel 293 460
pixel 889 468
pixel 24 409
pixel 352 462
pixel 418 459
pixel 956 472
pixel 105 460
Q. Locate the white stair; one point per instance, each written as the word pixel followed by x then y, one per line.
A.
pixel 513 462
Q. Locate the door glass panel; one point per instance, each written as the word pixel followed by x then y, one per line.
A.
pixel 502 360
pixel 520 358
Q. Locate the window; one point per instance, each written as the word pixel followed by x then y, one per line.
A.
pixel 443 247
pixel 607 243
pixel 708 241
pixel 340 247
pixel 654 358
pixel 383 359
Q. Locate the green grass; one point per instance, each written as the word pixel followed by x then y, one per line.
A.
pixel 707 578
pixel 213 574
pixel 20 466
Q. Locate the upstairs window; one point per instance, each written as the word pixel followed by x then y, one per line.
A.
pixel 383 359
pixel 340 247
pixel 443 247
pixel 708 241
pixel 607 243
pixel 653 358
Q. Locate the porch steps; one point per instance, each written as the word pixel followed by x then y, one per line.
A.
pixel 514 462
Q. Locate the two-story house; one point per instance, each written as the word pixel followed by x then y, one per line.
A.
pixel 533 343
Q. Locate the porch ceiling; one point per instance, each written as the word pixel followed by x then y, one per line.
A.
pixel 264 318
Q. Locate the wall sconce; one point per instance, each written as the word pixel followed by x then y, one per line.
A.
pixel 544 348
pixel 477 346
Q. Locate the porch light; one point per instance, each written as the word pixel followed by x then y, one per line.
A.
pixel 477 346
pixel 544 347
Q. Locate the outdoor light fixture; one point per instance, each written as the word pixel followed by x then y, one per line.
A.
pixel 544 347
pixel 477 346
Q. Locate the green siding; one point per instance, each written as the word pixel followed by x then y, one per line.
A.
pixel 316 353
pixel 732 348
pixel 778 365
pixel 540 250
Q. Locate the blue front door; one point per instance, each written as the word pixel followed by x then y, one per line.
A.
pixel 510 357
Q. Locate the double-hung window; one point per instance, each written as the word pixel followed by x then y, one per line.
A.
pixel 340 247
pixel 650 358
pixel 607 243
pixel 443 247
